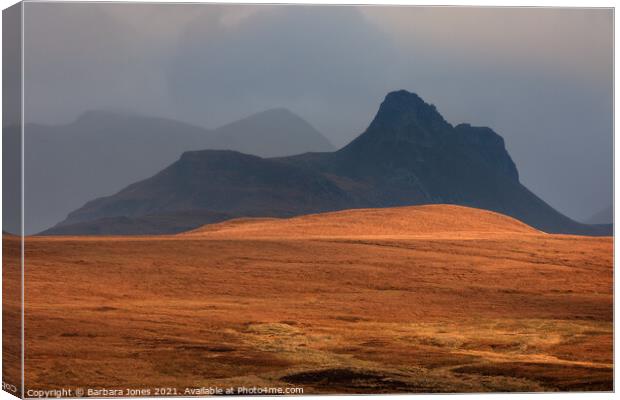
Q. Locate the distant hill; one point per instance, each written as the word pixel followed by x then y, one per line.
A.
pixel 412 221
pixel 409 155
pixel 272 133
pixel 101 152
pixel 605 216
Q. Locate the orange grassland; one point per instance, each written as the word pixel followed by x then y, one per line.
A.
pixel 410 299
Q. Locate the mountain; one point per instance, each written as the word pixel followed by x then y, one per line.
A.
pixel 272 133
pixel 221 181
pixel 605 216
pixel 174 222
pixel 104 151
pixel 11 181
pixel 409 155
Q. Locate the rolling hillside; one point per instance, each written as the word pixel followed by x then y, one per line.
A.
pixel 434 221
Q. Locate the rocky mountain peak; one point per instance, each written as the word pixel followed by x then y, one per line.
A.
pixel 402 109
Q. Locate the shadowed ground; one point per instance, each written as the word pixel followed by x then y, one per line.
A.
pixel 365 301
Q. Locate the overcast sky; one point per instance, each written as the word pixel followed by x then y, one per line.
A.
pixel 542 78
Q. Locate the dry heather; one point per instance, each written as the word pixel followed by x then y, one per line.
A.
pixel 432 221
pixel 416 299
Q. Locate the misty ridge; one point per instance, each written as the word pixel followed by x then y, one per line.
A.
pixel 103 151
pixel 604 216
pixel 408 155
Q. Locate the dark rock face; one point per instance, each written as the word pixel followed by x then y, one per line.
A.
pixel 489 147
pixel 408 155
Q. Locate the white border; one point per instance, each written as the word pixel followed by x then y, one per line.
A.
pixel 460 3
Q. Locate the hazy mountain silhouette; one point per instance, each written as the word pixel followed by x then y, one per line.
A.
pixel 272 133
pixel 103 151
pixel 11 181
pixel 408 155
pixel 605 216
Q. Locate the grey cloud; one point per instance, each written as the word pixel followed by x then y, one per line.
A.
pixel 322 62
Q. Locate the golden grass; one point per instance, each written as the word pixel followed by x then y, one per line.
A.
pixel 379 311
pixel 431 221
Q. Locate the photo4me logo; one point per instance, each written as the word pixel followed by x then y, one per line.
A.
pixel 242 390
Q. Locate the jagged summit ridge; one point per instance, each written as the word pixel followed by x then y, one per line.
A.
pixel 402 109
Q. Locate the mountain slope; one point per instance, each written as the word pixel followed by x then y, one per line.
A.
pixel 221 181
pixel 605 216
pixel 409 155
pixel 173 222
pixel 102 151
